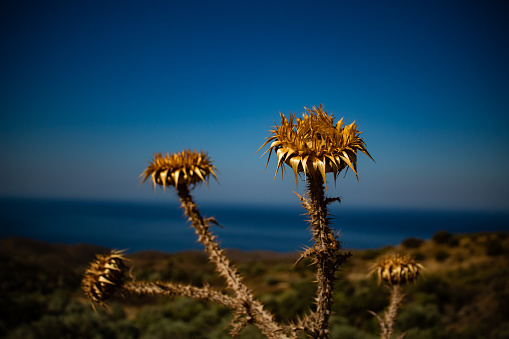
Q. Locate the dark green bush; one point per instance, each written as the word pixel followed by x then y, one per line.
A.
pixel 494 247
pixel 455 240
pixel 442 237
pixel 502 332
pixel 169 328
pixel 371 254
pixel 344 331
pixel 412 242
pixel 419 256
pixel 418 316
pixel 436 332
pixel 441 255
pixel 271 280
pixel 353 304
pixel 295 300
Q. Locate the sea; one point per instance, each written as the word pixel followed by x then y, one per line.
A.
pixel 140 226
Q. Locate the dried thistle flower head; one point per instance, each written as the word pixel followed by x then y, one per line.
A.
pixel 104 276
pixel 187 167
pixel 313 144
pixel 397 269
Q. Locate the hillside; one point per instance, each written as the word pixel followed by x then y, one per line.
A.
pixel 463 294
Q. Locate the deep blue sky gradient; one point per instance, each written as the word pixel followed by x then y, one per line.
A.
pixel 90 90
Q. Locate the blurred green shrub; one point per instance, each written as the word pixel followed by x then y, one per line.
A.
pixel 442 255
pixel 271 280
pixel 494 247
pixel 412 242
pixel 442 237
pixel 372 254
pixel 419 256
pixel 418 316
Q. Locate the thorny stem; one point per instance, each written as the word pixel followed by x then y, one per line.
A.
pixel 392 312
pixel 261 318
pixel 327 257
pixel 170 289
pixel 389 316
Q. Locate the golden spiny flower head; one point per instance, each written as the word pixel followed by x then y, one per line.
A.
pixel 314 144
pixel 104 276
pixel 397 269
pixel 187 167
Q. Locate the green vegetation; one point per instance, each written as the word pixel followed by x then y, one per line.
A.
pixel 442 237
pixel 464 295
pixel 412 242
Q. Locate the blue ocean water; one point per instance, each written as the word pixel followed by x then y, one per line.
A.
pixel 158 226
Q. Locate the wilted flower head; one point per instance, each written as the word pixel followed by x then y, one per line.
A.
pixel 104 276
pixel 314 144
pixel 187 167
pixel 397 270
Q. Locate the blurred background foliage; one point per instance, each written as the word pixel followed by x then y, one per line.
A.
pixel 463 294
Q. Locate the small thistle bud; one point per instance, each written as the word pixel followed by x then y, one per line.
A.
pixel 104 276
pixel 397 270
pixel 187 167
pixel 314 144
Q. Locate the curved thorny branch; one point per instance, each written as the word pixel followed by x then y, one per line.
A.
pixel 174 289
pixel 182 171
pixel 389 316
pixel 260 317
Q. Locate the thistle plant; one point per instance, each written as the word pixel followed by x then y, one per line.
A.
pixel 313 146
pixel 184 171
pixel 395 271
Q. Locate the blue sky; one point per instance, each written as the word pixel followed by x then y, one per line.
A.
pixel 90 90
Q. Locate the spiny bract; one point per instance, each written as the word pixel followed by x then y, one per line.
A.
pixel 187 167
pixel 313 144
pixel 104 276
pixel 397 269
